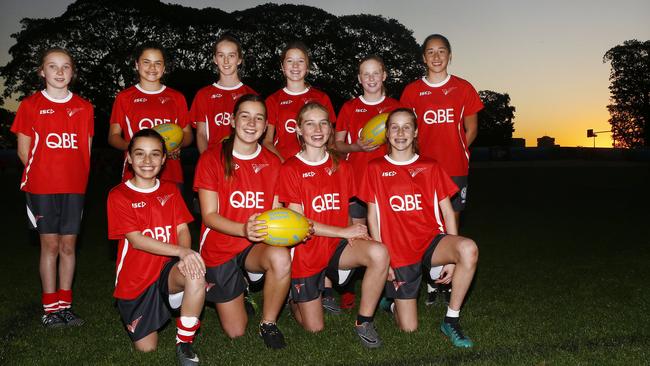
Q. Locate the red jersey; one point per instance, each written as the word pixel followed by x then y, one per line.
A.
pixel 59 152
pixel 440 109
pixel 135 109
pixel 352 117
pixel 249 190
pixel 155 212
pixel 214 105
pixel 407 196
pixel 282 108
pixel 323 192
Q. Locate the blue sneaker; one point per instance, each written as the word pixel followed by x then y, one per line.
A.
pixel 455 335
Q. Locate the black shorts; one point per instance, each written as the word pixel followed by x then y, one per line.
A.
pixel 229 280
pixel 55 213
pixel 408 278
pixel 358 209
pixel 309 288
pixel 151 310
pixel 459 200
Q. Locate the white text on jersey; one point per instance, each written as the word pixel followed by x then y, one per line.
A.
pixel 408 202
pixel 247 199
pixel 63 141
pixel 327 201
pixel 439 116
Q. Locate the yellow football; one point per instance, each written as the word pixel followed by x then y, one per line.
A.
pixel 172 134
pixel 375 130
pixel 285 227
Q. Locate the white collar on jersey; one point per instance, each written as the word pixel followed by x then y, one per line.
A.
pixel 314 163
pixel 150 92
pixel 247 157
pixel 51 99
pixel 216 85
pixel 295 93
pixel 143 190
pixel 372 103
pixel 407 162
pixel 436 85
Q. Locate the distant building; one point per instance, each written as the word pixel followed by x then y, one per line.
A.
pixel 518 142
pixel 546 141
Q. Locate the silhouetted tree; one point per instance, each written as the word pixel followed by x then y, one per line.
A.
pixel 7 139
pixel 101 35
pixel 630 93
pixel 495 120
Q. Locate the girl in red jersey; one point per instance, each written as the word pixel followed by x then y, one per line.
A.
pixel 315 183
pixel 147 104
pixel 284 104
pixel 212 107
pixel 149 218
pixel 409 210
pixel 54 128
pixel 236 182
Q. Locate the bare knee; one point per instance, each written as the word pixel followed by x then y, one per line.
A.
pixel 194 285
pixel 468 251
pixel 313 327
pixel 234 332
pixel 144 348
pixel 280 261
pixel 408 326
pixel 67 249
pixel 378 256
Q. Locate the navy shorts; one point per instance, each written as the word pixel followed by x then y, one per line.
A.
pixel 151 310
pixel 358 209
pixel 55 213
pixel 228 280
pixel 408 278
pixel 459 200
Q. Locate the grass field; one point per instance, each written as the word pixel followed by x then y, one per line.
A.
pixel 562 280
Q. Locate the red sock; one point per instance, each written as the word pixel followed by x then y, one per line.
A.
pixel 186 327
pixel 65 299
pixel 50 302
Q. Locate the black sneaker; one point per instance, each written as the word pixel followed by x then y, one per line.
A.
pixel 272 336
pixel 431 297
pixel 368 335
pixel 71 319
pixel 445 291
pixel 186 355
pixel 52 320
pixel 330 305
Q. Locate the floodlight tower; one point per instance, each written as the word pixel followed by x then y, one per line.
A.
pixel 594 134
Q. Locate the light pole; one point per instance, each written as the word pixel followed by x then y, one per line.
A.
pixel 594 134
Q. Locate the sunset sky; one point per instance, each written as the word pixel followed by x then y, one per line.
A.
pixel 547 55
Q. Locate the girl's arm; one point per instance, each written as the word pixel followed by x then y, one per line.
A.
pixel 359 145
pixel 188 136
pixel 211 218
pixel 24 142
pixel 350 232
pixel 448 215
pixel 183 234
pixel 373 222
pixel 471 128
pixel 268 141
pixel 201 137
pixel 90 145
pixel 115 138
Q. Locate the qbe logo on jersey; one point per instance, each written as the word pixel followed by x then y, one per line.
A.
pixel 439 116
pixel 151 122
pixel 327 201
pixel 61 141
pixel 408 202
pixel 247 199
pixel 159 233
pixel 222 119
pixel 290 125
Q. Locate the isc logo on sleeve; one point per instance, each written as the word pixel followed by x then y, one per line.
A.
pixel 408 202
pixel 247 199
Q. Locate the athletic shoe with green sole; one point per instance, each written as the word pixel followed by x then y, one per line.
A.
pixel 386 305
pixel 455 335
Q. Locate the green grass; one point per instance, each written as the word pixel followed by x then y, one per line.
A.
pixel 562 280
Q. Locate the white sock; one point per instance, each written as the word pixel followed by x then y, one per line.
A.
pixel 452 313
pixel 189 321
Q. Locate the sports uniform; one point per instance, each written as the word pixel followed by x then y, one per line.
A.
pixel 249 190
pixel 56 172
pixel 323 191
pixel 135 109
pixel 213 105
pixel 440 109
pixel 141 277
pixel 282 109
pixel 407 196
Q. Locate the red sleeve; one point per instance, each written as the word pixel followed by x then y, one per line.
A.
pixel 209 171
pixel 366 192
pixel 473 102
pixel 120 216
pixel 328 104
pixel 24 119
pixel 406 98
pixel 343 121
pixel 272 110
pixel 287 187
pixel 443 185
pixel 182 214
pixel 181 110
pixel 250 90
pixel 197 111
pixel 118 114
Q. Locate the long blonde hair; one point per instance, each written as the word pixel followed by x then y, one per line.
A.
pixel 300 118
